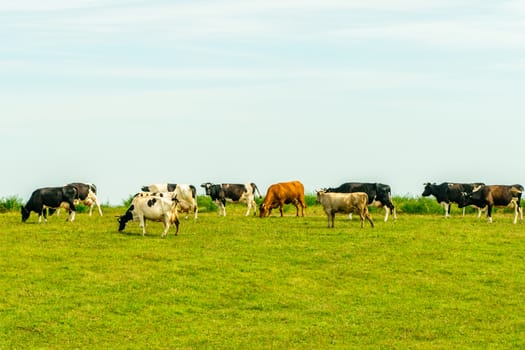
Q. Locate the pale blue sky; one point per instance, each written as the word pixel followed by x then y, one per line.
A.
pixel 126 93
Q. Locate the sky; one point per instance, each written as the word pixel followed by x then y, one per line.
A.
pixel 125 93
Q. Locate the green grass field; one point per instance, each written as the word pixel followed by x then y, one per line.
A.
pixel 240 282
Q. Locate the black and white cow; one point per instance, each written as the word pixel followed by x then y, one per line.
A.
pixel 234 193
pixel 86 194
pixel 186 195
pixel 450 192
pixel 50 197
pixel 379 194
pixel 495 195
pixel 154 207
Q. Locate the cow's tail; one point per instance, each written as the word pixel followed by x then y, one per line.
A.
pixel 93 188
pixel 254 186
pixel 193 191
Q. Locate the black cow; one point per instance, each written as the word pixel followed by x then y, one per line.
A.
pixel 495 195
pixel 378 194
pixel 235 193
pixel 50 197
pixel 450 192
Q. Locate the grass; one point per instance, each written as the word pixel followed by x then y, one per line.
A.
pixel 240 282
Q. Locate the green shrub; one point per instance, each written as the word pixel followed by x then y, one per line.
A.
pixel 206 204
pixel 12 203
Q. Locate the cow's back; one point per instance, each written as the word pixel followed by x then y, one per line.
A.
pixel 286 190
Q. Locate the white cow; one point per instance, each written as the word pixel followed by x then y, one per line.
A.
pixel 154 207
pixel 186 195
pixel 355 202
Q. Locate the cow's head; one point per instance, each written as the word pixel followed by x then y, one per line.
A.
pixel 207 187
pixel 123 219
pixel 25 213
pixel 464 199
pixel 428 189
pixel 264 210
pixel 472 198
pixel 320 192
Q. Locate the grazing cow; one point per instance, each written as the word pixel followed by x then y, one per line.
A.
pixel 336 202
pixel 448 192
pixel 379 195
pixel 154 207
pixel 50 197
pixel 495 195
pixel 234 193
pixel 87 195
pixel 186 195
pixel 283 193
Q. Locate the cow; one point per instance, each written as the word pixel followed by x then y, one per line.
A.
pixel 186 195
pixel 233 193
pixel 450 192
pixel 87 195
pixel 495 196
pixel 336 202
pixel 154 207
pixel 283 193
pixel 50 197
pixel 379 195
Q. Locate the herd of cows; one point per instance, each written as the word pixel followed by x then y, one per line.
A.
pixel 163 202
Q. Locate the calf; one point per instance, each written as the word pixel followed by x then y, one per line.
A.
pixel 283 193
pixel 354 202
pixel 50 197
pixel 495 195
pixel 448 192
pixel 186 195
pixel 378 194
pixel 154 207
pixel 234 193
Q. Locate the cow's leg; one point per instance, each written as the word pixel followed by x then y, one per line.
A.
pixel 489 213
pixel 332 219
pixel 369 218
pixel 514 204
pixel 166 223
pixel 254 208
pixel 362 216
pixel 195 209
pixel 95 202
pixel 394 213
pixel 303 206
pixel 387 211
pixel 281 205
pixel 464 211
pixel 142 223
pixel 222 209
pixel 176 222
pixel 350 216
pixel 71 216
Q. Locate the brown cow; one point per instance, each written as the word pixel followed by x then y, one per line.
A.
pixel 283 193
pixel 495 195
